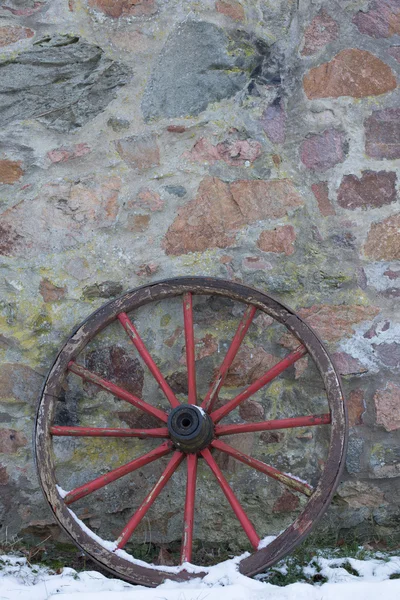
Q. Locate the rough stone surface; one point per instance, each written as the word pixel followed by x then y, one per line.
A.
pixel 105 289
pixel 352 72
pixel 232 152
pixel 273 121
pixel 384 461
pixel 248 366
pixel 137 148
pixel 382 131
pixel 255 263
pixel 138 223
pixel 206 346
pixel 115 364
pixel 20 383
pixel 221 209
pixel 10 171
pixel 65 153
pixel 4 476
pixel 321 193
pixel 356 407
pixel 358 494
pixel 117 124
pixel 139 152
pixel 147 269
pixel 371 190
pixel 347 364
pixel 382 20
pixel 383 241
pixel 335 322
pixel 322 30
pixel 286 503
pixel 10 35
pixel 230 8
pixel 176 190
pixel 280 239
pixel 387 404
pixel 147 198
pixel 272 437
pixel 71 80
pixel 124 8
pixel 11 440
pixel 323 151
pixel 51 292
pixel 354 454
pixel 63 213
pixel 388 353
pixel 250 410
pixel 15 7
pixel 196 68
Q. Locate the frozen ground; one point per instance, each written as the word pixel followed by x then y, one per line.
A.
pixel 378 578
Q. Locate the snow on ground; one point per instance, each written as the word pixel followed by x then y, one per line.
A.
pixel 21 581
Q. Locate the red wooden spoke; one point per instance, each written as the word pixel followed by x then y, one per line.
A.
pixel 155 492
pixel 308 421
pixel 287 480
pixel 160 432
pixel 218 382
pixel 276 370
pixel 189 343
pixel 187 542
pixel 99 482
pixel 144 353
pixel 233 501
pixel 117 391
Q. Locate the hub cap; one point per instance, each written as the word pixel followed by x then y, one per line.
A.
pixel 190 427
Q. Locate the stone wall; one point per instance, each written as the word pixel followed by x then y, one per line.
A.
pixel 258 141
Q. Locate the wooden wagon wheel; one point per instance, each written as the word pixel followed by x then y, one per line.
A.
pixel 189 431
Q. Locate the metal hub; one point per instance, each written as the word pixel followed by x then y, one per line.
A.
pixel 190 428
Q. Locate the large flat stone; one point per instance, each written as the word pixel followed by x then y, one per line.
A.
pixel 372 190
pixel 383 240
pixel 322 30
pixel 63 81
pixel 387 404
pixel 219 210
pixel 200 63
pixel 352 72
pixel 382 20
pixel 322 151
pixel 334 322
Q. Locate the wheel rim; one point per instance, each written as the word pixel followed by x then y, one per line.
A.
pixel 203 439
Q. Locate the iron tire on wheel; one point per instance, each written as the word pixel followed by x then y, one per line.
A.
pixel 117 309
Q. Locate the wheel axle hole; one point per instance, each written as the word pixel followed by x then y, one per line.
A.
pixel 186 422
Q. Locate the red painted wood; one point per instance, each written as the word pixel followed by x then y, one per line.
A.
pixel 189 343
pixel 308 421
pixel 287 480
pixel 233 501
pixel 188 520
pixel 160 432
pixel 218 382
pixel 99 482
pixel 276 370
pixel 117 391
pixel 148 360
pixel 150 498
